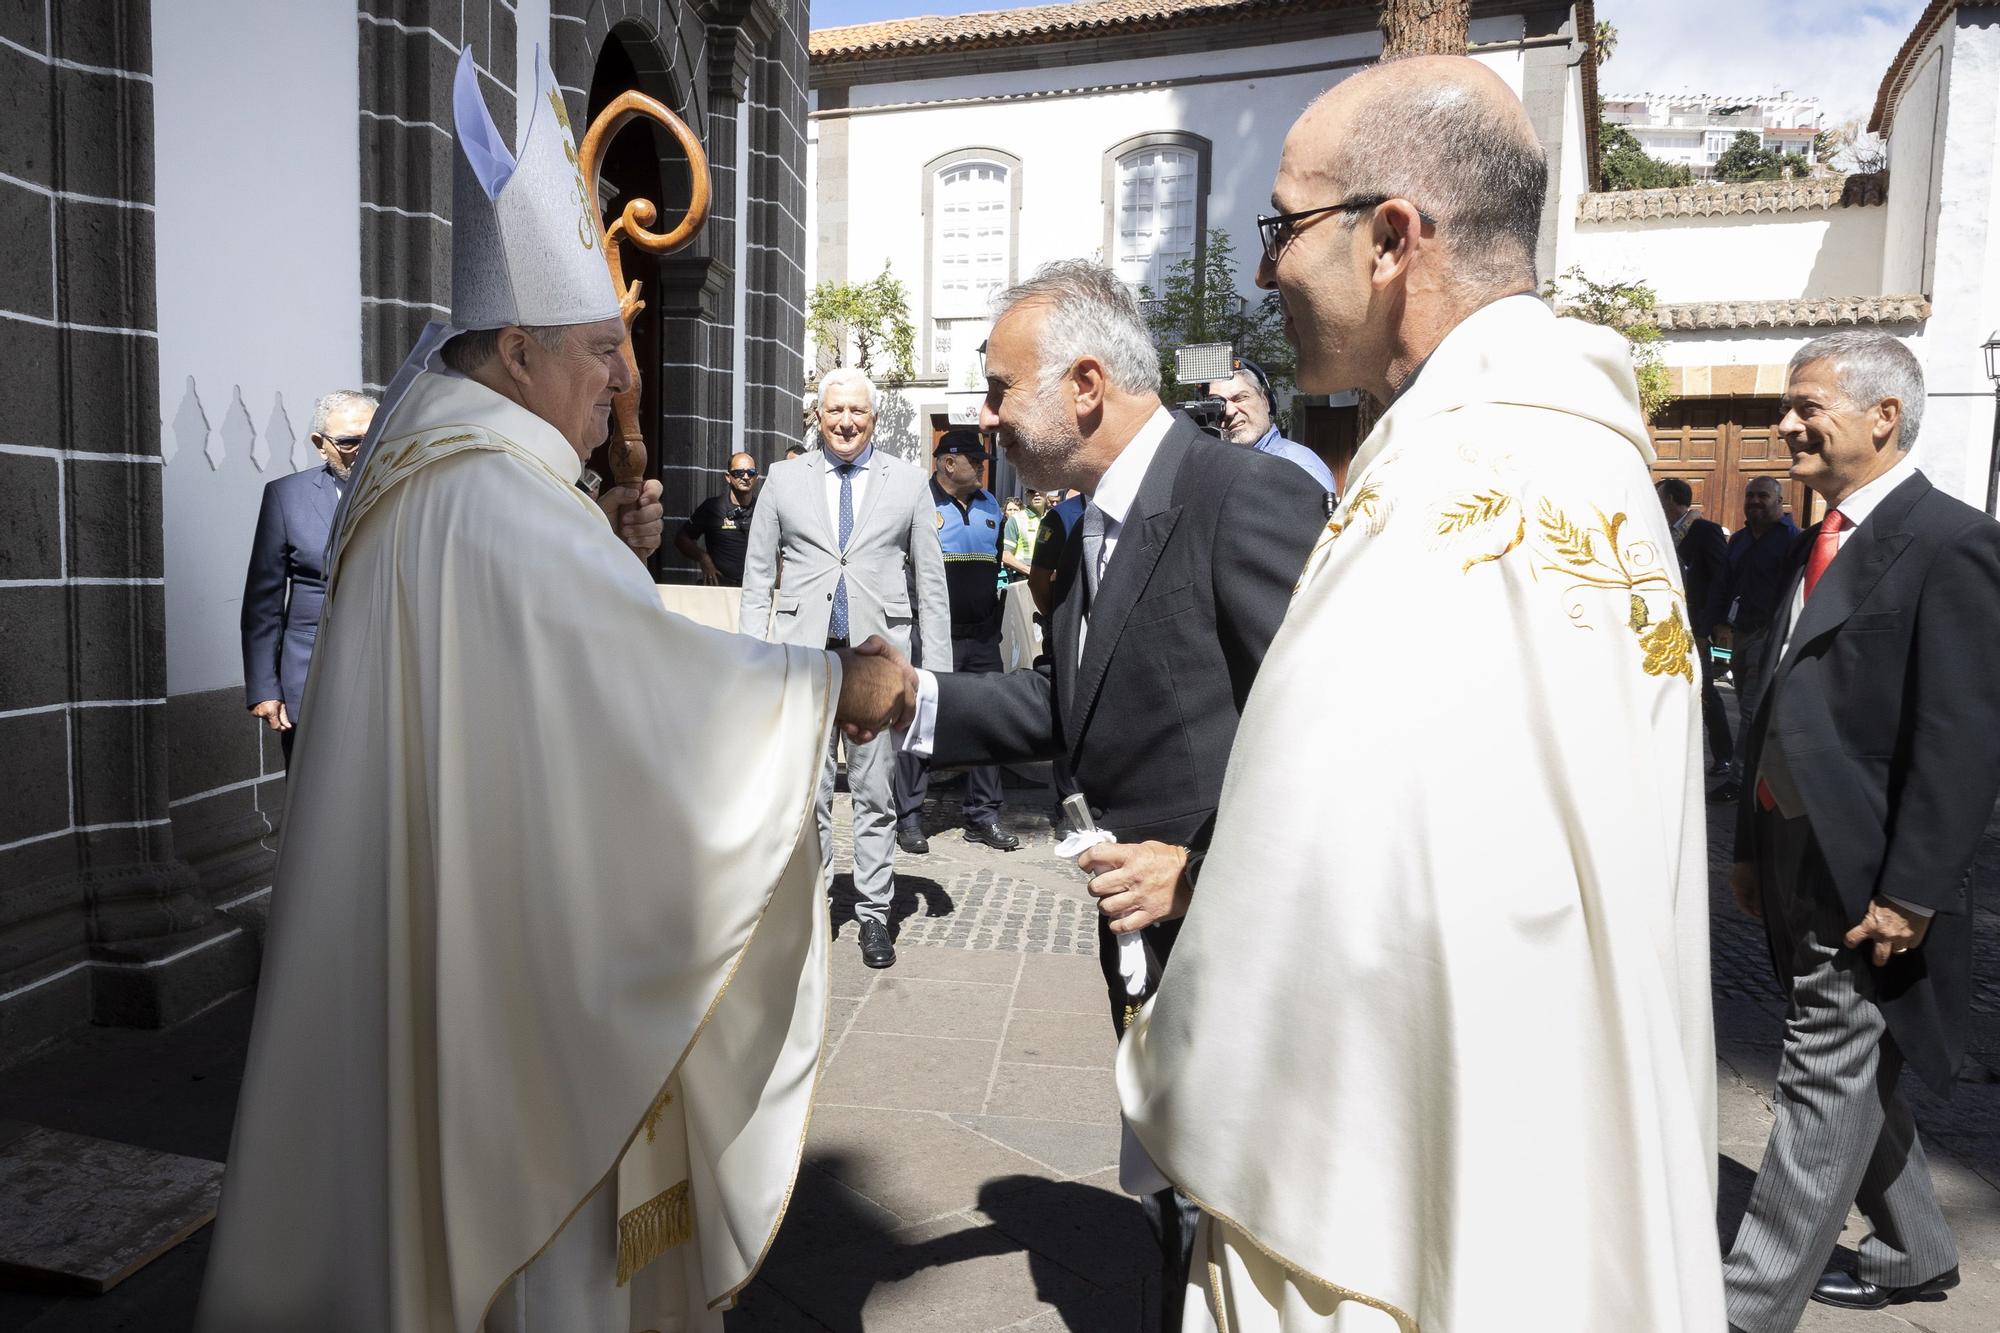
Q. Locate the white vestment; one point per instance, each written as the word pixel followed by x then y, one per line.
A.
pixel 545 982
pixel 1434 1049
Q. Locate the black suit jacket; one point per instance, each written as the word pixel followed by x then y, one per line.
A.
pixel 1199 582
pixel 1888 702
pixel 286 585
pixel 1704 554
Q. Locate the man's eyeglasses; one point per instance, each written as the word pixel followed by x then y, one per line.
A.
pixel 744 472
pixel 343 441
pixel 1278 229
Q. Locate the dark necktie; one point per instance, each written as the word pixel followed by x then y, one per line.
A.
pixel 1825 547
pixel 1093 550
pixel 837 627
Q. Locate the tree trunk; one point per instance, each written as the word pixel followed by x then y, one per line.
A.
pixel 1424 27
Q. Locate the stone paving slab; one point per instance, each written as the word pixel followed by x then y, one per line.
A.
pixel 83 1214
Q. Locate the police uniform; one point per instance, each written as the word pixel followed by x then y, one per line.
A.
pixel 971 534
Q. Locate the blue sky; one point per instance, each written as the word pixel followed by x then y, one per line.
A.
pixel 1836 50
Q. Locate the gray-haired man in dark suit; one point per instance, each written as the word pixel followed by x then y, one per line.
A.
pixel 287 579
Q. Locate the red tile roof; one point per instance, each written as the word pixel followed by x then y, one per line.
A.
pixel 1043 24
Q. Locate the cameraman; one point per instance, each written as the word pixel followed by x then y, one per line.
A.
pixel 1247 405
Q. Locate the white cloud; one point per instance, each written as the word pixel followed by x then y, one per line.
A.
pixel 1835 50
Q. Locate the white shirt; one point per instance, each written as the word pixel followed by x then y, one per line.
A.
pixel 1117 491
pixel 833 463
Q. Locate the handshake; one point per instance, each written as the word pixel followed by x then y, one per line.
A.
pixel 878 690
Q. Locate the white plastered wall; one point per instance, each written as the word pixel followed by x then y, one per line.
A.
pixel 1834 252
pixel 1964 253
pixel 258 165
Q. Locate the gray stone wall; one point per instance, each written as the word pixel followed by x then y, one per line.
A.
pixel 409 53
pixel 91 897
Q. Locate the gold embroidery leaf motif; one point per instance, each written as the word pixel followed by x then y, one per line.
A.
pixel 1367 505
pixel 1669 647
pixel 1570 542
pixel 1472 512
pixel 1640 616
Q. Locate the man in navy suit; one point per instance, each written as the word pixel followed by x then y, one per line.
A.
pixel 287 579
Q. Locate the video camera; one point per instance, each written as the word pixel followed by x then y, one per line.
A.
pixel 1205 413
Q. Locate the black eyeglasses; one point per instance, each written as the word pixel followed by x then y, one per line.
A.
pixel 1278 229
pixel 344 441
pixel 743 472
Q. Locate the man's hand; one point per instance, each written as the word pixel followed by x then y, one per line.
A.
pixel 636 515
pixel 710 575
pixel 876 657
pixel 1722 636
pixel 1749 894
pixel 272 713
pixel 1137 883
pixel 1891 929
pixel 878 690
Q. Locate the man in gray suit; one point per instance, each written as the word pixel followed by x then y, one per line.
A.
pixel 855 534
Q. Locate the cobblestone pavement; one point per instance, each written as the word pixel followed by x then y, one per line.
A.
pixel 960 1171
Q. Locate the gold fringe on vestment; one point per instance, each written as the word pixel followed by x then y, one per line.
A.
pixel 653 1228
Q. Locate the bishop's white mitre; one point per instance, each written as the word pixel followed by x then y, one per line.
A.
pixel 525 244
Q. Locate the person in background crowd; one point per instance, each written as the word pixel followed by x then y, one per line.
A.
pixel 1060 514
pixel 722 522
pixel 856 535
pixel 795 451
pixel 969 530
pixel 1700 543
pixel 1743 601
pixel 1871 753
pixel 1017 550
pixel 286 582
pixel 1247 418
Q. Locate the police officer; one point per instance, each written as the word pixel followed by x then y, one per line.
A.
pixel 970 531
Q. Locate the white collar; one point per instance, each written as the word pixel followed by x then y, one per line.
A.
pixel 834 462
pixel 1857 507
pixel 1118 488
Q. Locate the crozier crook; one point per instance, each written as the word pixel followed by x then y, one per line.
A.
pixel 627 451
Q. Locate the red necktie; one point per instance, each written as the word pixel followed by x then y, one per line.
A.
pixel 1825 547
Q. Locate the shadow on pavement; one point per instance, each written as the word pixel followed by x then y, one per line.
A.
pixel 1086 1251
pixel 912 892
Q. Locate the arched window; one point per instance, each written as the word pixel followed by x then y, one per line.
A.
pixel 971 199
pixel 1157 197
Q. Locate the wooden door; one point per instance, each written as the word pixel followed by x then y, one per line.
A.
pixel 1716 445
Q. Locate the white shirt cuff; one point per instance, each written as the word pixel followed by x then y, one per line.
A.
pixel 923 727
pixel 1914 909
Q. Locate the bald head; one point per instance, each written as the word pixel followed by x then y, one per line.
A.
pixel 1449 135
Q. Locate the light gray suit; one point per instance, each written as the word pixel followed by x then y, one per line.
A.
pixel 895 581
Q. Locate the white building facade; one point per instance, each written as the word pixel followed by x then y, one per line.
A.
pixel 965 152
pixel 1695 129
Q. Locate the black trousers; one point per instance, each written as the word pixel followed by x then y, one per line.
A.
pixel 1714 718
pixel 981 804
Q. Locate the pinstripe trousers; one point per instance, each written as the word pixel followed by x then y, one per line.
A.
pixel 1843 1133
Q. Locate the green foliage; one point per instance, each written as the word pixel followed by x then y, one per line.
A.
pixel 1607 41
pixel 1624 306
pixel 1200 305
pixel 872 316
pixel 1628 166
pixel 1748 160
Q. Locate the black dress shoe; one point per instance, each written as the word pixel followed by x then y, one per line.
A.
pixel 1848 1291
pixel 910 837
pixel 993 836
pixel 1728 791
pixel 876 950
